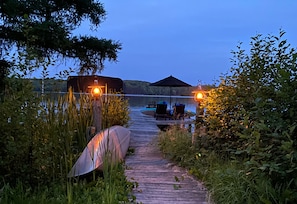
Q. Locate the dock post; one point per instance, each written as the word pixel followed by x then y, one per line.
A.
pixel 97 110
pixel 97 114
pixel 198 97
pixel 199 127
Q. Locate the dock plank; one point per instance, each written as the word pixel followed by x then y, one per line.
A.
pixel 159 180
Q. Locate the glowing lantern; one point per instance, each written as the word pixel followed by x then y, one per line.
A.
pixel 96 92
pixel 198 96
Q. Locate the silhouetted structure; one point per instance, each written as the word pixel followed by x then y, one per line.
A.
pixel 170 82
pixel 81 83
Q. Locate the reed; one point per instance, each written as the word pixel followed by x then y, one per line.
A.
pixel 43 138
pixel 227 180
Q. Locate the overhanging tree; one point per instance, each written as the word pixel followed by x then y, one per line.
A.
pixel 43 29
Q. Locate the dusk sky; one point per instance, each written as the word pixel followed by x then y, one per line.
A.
pixel 192 39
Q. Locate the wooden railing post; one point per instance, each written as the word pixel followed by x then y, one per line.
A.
pixel 97 110
pixel 97 114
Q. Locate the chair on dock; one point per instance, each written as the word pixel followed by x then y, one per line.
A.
pixel 161 111
pixel 179 111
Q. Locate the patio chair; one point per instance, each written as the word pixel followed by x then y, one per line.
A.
pixel 161 111
pixel 179 111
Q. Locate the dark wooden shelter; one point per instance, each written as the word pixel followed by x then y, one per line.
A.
pixel 81 83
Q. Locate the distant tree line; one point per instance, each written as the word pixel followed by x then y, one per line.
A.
pixel 129 87
pixel 50 85
pixel 142 87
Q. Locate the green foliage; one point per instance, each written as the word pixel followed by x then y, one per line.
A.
pixel 229 183
pixel 42 29
pixel 116 189
pixel 249 152
pixel 4 71
pixel 173 143
pixel 18 124
pixel 38 141
pixel 50 85
pixel 227 180
pixel 252 116
pixel 41 138
pixel 112 188
pixel 115 111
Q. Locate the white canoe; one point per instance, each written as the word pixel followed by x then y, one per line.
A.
pixel 114 140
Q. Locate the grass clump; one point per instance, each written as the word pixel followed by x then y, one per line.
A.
pixel 228 180
pixel 110 188
pixel 173 143
pixel 42 137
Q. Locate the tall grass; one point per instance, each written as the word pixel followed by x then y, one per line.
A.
pixel 228 181
pixel 41 140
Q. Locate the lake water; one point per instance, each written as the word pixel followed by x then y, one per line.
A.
pixel 141 101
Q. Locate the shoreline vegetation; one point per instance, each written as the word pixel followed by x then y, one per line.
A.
pixel 129 86
pixel 244 149
pixel 40 143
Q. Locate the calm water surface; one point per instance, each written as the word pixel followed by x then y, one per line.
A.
pixel 141 101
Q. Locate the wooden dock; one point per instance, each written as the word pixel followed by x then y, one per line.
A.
pixel 159 181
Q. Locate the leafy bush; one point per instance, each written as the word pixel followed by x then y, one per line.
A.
pixel 18 124
pixel 252 116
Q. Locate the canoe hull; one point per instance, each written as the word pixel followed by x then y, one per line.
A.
pixel 114 141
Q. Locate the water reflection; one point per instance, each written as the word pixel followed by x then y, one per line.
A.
pixel 141 101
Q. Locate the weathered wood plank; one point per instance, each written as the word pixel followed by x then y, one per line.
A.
pixel 159 181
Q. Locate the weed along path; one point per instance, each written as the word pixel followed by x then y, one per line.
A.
pixel 159 181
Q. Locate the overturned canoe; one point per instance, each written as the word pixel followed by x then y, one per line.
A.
pixel 114 141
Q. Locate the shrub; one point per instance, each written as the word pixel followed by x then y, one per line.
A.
pixel 252 116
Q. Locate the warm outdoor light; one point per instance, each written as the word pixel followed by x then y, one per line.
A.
pixel 198 96
pixel 96 92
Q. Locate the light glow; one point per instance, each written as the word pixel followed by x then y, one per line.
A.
pixel 199 96
pixel 97 91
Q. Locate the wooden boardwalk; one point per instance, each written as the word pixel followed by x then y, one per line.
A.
pixel 159 181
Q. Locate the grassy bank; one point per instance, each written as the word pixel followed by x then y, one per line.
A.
pixel 110 187
pixel 228 180
pixel 41 140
